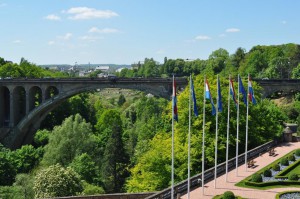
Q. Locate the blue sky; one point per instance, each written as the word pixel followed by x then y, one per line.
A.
pixel 127 31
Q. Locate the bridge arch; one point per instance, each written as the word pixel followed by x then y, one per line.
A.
pixel 42 96
pixel 51 91
pixel 34 97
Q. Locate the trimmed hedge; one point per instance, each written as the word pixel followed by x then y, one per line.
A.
pixel 283 173
pixel 293 177
pixel 256 178
pixel 271 183
pixel 291 158
pixel 268 173
pixel 276 167
pixel 228 195
pixel 297 152
pixel 284 162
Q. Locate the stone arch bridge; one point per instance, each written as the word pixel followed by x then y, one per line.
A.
pixel 24 103
pixel 278 86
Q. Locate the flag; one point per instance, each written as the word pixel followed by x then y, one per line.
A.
pixel 242 90
pixel 251 92
pixel 175 114
pixel 194 98
pixel 208 96
pixel 219 102
pixel 232 92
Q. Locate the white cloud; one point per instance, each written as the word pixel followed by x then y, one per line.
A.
pixel 50 43
pixel 233 30
pixel 67 36
pixel 104 30
pixel 90 38
pixel 53 17
pixel 80 13
pixel 17 41
pixel 202 37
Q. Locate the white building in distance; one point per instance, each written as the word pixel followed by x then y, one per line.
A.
pixel 104 69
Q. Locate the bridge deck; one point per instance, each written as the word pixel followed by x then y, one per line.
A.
pixel 222 185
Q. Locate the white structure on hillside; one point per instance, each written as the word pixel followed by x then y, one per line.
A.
pixel 102 68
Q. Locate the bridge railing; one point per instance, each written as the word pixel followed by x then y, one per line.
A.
pixel 196 181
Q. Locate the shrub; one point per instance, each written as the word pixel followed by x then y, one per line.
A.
pixel 293 177
pixel 267 173
pixel 297 152
pixel 256 178
pixel 276 167
pixel 291 157
pixel 228 195
pixel 284 162
pixel 56 181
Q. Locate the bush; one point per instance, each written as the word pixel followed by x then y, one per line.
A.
pixel 297 152
pixel 267 173
pixel 228 195
pixel 292 157
pixel 284 162
pixel 276 167
pixel 293 177
pixel 56 181
pixel 7 171
pixel 256 178
pixel 89 189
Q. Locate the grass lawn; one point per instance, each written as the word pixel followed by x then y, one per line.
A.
pixel 296 170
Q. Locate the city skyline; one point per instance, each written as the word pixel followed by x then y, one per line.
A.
pixel 126 32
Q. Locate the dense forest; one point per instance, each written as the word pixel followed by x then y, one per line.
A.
pixel 120 140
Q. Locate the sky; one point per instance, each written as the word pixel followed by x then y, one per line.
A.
pixel 128 31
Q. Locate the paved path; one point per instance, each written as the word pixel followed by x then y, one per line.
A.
pixel 222 185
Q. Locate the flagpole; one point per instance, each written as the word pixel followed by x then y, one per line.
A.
pixel 216 139
pixel 246 146
pixel 189 137
pixel 203 137
pixel 227 137
pixel 172 175
pixel 237 128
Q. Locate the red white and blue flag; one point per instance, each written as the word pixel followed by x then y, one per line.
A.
pixel 242 90
pixel 175 113
pixel 251 92
pixel 232 92
pixel 208 96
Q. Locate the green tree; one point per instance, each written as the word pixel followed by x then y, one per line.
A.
pixel 296 72
pixel 7 170
pixel 25 182
pixel 238 57
pixel 115 159
pixel 121 100
pixel 114 164
pixel 56 181
pixel 69 140
pixel 85 167
pixel 217 60
pixel 41 137
pixel 26 158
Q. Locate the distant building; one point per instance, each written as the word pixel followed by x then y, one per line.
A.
pixel 102 68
